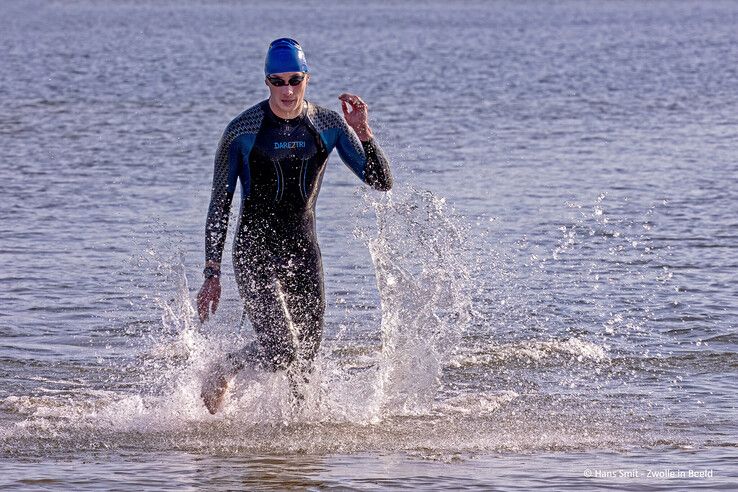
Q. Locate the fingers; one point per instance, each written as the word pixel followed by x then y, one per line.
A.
pixel 353 100
pixel 216 300
pixel 203 303
pixel 202 307
pixel 202 311
pixel 208 298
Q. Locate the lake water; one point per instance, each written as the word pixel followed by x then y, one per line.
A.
pixel 548 298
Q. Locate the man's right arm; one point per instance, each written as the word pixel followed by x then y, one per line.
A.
pixel 216 227
pixel 221 196
pixel 233 149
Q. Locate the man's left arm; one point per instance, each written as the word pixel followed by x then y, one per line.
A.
pixel 376 170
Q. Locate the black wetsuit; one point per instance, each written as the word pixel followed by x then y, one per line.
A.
pixel 276 257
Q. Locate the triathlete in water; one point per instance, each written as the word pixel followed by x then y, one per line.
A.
pixel 278 150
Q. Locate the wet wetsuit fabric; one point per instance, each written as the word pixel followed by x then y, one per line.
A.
pixel 276 257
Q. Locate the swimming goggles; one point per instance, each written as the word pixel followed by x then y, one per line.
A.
pixel 278 82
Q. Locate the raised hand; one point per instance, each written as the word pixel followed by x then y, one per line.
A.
pixel 356 113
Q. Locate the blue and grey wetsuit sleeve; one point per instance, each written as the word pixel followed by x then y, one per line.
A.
pixel 365 159
pixel 221 197
pixel 230 167
pixel 371 165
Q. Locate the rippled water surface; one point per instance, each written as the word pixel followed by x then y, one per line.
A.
pixel 548 298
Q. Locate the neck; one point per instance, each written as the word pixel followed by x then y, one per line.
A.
pixel 285 115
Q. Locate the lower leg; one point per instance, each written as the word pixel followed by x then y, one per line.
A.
pixel 305 301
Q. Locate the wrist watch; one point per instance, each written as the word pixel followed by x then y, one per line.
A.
pixel 210 272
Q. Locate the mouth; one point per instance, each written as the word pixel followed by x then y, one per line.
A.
pixel 288 102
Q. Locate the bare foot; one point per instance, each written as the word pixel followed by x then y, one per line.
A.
pixel 213 392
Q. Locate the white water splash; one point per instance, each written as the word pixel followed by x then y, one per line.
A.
pixel 573 350
pixel 423 283
pixel 360 397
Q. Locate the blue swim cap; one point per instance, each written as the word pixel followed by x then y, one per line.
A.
pixel 285 55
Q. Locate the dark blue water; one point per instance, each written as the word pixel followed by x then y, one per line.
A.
pixel 548 297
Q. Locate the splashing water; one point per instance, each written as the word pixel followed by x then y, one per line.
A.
pixel 445 376
pixel 423 281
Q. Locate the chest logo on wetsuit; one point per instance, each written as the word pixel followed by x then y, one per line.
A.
pixel 298 144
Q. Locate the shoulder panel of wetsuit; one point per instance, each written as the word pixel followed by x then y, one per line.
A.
pixel 335 132
pixel 238 155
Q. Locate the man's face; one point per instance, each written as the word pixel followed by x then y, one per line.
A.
pixel 286 98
